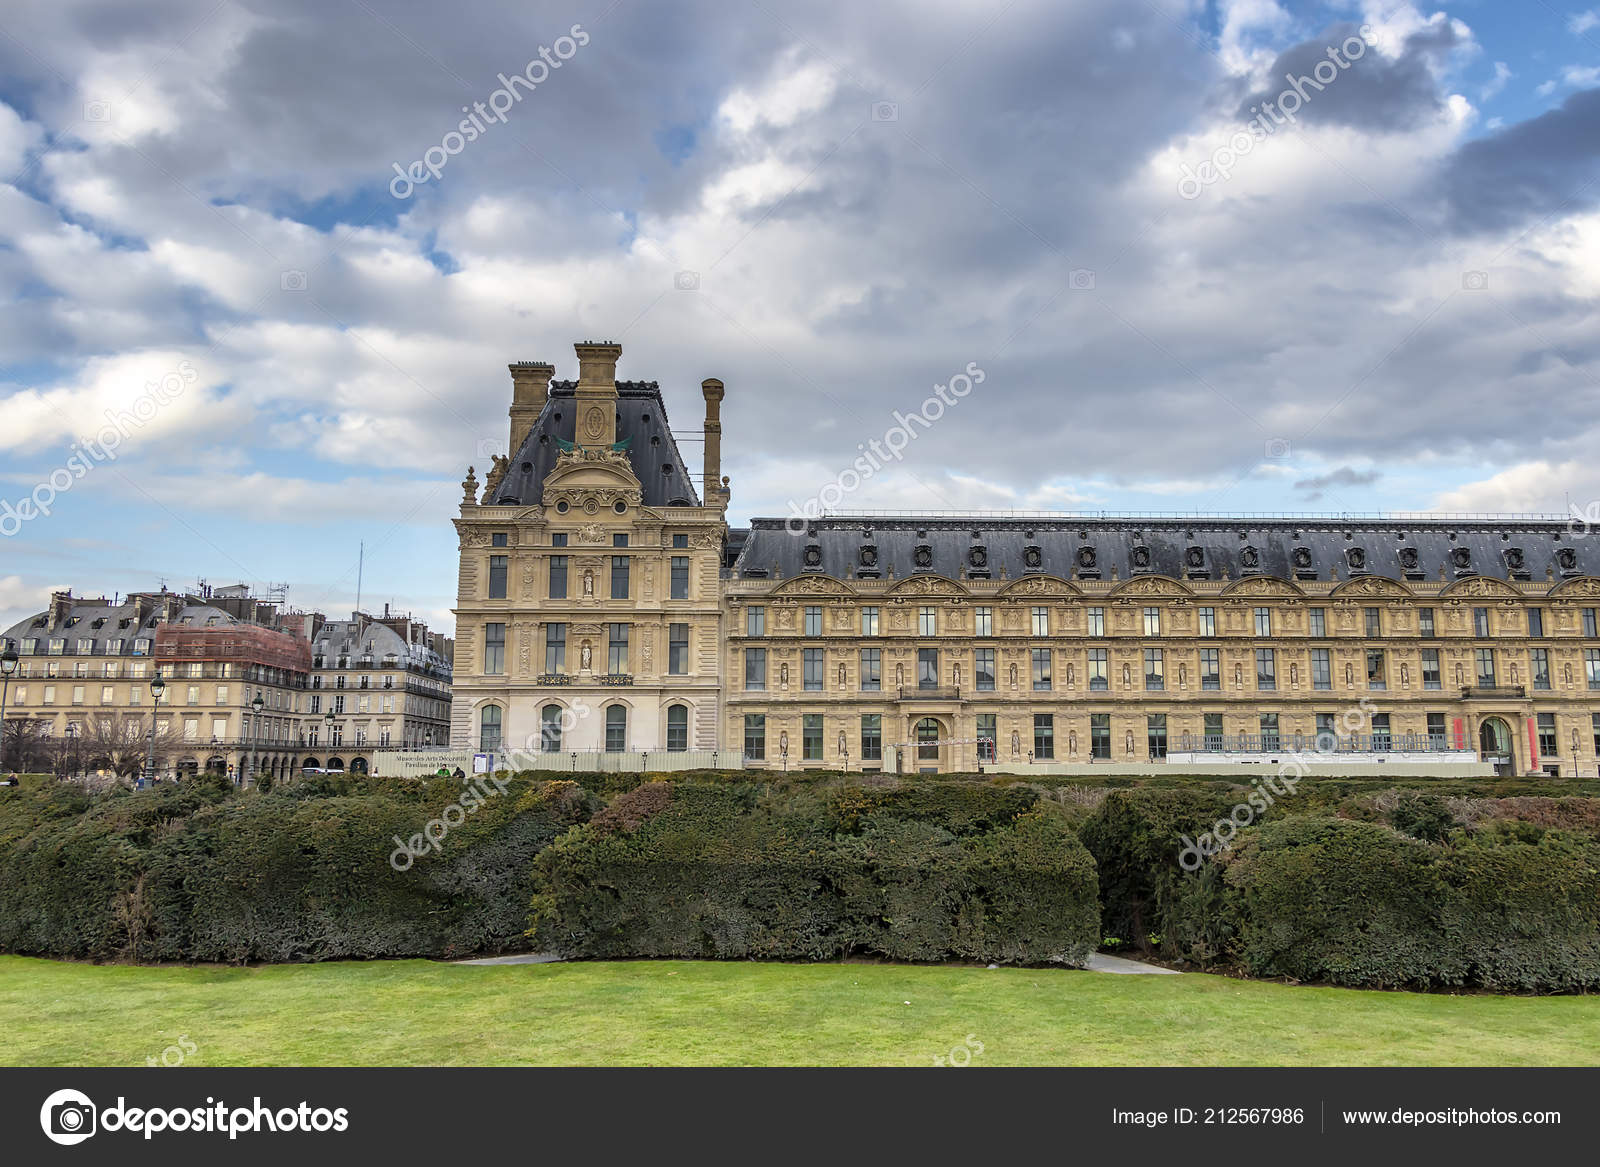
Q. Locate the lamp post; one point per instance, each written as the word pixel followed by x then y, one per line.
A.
pixel 157 687
pixel 8 668
pixel 255 736
pixel 72 748
pixel 327 721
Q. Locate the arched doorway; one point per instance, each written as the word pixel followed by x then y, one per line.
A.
pixel 336 764
pixel 1494 745
pixel 216 765
pixel 310 764
pixel 358 765
pixel 927 746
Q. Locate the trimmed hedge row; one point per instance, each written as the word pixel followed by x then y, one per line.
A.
pixel 924 873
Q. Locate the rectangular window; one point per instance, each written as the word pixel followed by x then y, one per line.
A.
pixel 558 539
pixel 988 731
pixel 1318 621
pixel 1210 668
pixel 558 577
pixel 871 737
pixel 680 540
pixel 555 648
pixel 1436 732
pixel 1269 731
pixel 1480 622
pixel 1377 675
pixel 1539 667
pixel 1208 621
pixel 1374 618
pixel 1154 669
pixel 755 736
pixel 1097 621
pixel 1156 735
pixel 812 658
pixel 85 647
pixel 1263 621
pixel 1044 735
pixel 927 621
pixel 494 649
pixel 755 620
pixel 1546 723
pixel 983 669
pixel 1041 668
pixel 619 577
pixel 1041 621
pixel 869 621
pixel 871 670
pixel 983 621
pixel 1266 669
pixel 1381 739
pixel 755 669
pixel 1097 669
pixel 1588 623
pixel 1536 622
pixel 1425 623
pixel 678 649
pixel 194 694
pixel 1152 621
pixel 1591 666
pixel 1321 669
pixel 1100 735
pixel 927 668
pixel 108 695
pixel 813 620
pixel 811 737
pixel 680 577
pixel 497 577
pixel 1212 733
pixel 619 539
pixel 617 649
pixel 1485 666
pixel 1430 668
pixel 498 539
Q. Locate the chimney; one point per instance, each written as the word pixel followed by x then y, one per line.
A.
pixel 595 412
pixel 60 607
pixel 714 495
pixel 530 386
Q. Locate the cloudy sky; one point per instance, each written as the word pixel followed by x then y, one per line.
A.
pixel 1385 302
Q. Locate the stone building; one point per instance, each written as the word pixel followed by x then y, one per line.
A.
pixel 604 605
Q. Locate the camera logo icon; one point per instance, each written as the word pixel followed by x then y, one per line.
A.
pixel 1474 281
pixel 97 111
pixel 1277 449
pixel 68 1117
pixel 491 447
pixel 292 281
pixel 885 111
pixel 1080 279
pixel 686 281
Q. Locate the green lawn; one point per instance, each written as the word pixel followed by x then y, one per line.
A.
pixel 703 1013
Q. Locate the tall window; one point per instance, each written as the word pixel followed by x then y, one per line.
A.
pixel 983 621
pixel 677 649
pixel 1269 731
pixel 1041 621
pixel 1097 669
pixel 1425 623
pixel 1152 621
pixel 1266 669
pixel 558 577
pixel 1539 667
pixel 1208 621
pixel 869 621
pixel 811 737
pixel 755 669
pixel 555 648
pixel 927 740
pixel 1377 676
pixel 813 670
pixel 1210 668
pixel 1535 622
pixel 1318 619
pixel 677 727
pixel 1156 734
pixel 1547 735
pixel 1100 735
pixel 1041 668
pixel 1321 669
pixel 550 729
pixel 755 736
pixel 813 620
pixel 988 732
pixel 497 577
pixel 871 670
pixel 983 669
pixel 1485 666
pixel 755 620
pixel 1044 735
pixel 1097 621
pixel 1154 669
pixel 616 729
pixel 1591 665
pixel 494 649
pixel 1213 731
pixel 1436 732
pixel 1480 622
pixel 927 668
pixel 1430 668
pixel 1588 623
pixel 619 577
pixel 871 737
pixel 617 649
pixel 927 621
pixel 1263 621
pixel 488 728
pixel 680 577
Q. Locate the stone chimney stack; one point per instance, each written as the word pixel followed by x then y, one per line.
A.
pixel 530 386
pixel 60 607
pixel 595 411
pixel 713 493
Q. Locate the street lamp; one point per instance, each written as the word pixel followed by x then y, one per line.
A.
pixel 157 687
pixel 72 746
pixel 8 668
pixel 328 721
pixel 255 736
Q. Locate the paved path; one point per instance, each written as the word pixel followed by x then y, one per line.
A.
pixel 1121 964
pixel 519 958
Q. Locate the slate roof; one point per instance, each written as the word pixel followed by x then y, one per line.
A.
pixel 1308 548
pixel 641 417
pixel 338 638
pixel 102 622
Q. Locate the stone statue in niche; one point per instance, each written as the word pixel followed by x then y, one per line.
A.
pixel 1072 742
pixel 841 677
pixel 1405 674
pixel 783 742
pixel 1238 676
pixel 1514 677
pixel 1069 675
pixel 841 743
pixel 1460 678
pixel 1294 673
pixel 1349 675
pixel 586 656
pixel 588 582
pixel 1566 673
pixel 783 673
pixel 1013 674
pixel 1183 674
pixel 1016 743
pixel 955 675
pixel 1127 677
pixel 899 676
pixel 1128 743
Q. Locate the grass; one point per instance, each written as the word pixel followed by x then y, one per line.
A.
pixel 644 1013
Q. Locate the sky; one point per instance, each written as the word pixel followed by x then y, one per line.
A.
pixel 260 288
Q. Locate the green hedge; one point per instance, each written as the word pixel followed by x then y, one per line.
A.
pixel 744 870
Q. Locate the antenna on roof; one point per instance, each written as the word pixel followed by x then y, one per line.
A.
pixel 361 562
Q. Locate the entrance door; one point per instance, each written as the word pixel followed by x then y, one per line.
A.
pixel 1494 745
pixel 928 746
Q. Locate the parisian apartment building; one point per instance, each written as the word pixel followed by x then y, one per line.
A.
pixel 605 604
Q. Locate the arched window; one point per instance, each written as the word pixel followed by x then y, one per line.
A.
pixel 489 720
pixel 928 740
pixel 677 727
pixel 616 729
pixel 550 729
